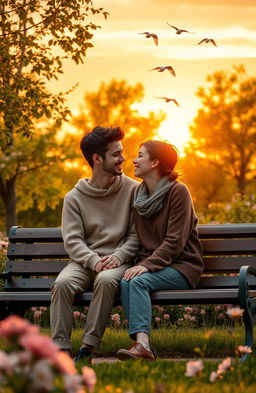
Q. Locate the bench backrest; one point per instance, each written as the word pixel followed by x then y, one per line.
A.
pixel 37 255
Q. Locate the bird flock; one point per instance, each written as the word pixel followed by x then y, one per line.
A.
pixel 169 68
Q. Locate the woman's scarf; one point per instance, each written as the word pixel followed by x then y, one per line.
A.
pixel 148 205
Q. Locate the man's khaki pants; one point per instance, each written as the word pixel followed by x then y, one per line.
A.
pixel 74 279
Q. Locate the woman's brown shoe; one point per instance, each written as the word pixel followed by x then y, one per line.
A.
pixel 136 351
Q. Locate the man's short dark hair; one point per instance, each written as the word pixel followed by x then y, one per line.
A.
pixel 97 141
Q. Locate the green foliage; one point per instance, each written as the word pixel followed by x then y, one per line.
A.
pixel 238 210
pixel 35 38
pixel 113 104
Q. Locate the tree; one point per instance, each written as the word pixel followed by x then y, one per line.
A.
pixel 113 104
pixel 35 37
pixel 36 168
pixel 224 130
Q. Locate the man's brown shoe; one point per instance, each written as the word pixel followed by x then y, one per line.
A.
pixel 136 351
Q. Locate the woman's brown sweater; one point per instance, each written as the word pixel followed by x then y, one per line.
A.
pixel 170 238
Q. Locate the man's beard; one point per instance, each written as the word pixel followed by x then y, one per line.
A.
pixel 112 170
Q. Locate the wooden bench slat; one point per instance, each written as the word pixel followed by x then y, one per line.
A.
pixel 36 267
pixel 205 231
pixel 37 250
pixel 57 250
pixel 229 246
pixel 44 267
pixel 43 284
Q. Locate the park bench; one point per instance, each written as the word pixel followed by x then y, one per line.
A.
pixel 37 255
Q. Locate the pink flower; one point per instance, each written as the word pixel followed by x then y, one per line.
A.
pixel 37 314
pixel 186 316
pixel 235 312
pixel 42 376
pixel 33 309
pixel 40 345
pixel 89 377
pixel 161 309
pixel 194 368
pixel 224 365
pixel 243 349
pixel 221 316
pixel 214 376
pixel 166 316
pixel 217 308
pixel 43 308
pixel 72 383
pixel 192 318
pixel 63 362
pixel 16 326
pixel 5 361
pixel 76 314
pixel 188 310
pixel 157 319
pixel 116 319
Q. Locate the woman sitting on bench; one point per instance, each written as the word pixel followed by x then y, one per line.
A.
pixel 171 254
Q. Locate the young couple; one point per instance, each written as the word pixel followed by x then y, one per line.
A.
pixel 116 229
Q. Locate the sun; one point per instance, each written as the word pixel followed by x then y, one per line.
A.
pixel 175 128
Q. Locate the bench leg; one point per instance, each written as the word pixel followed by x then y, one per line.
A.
pixel 248 334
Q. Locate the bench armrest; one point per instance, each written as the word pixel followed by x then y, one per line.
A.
pixel 243 281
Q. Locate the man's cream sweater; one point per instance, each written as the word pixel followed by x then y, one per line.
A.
pixel 98 222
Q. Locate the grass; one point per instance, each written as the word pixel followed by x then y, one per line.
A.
pixel 169 377
pixel 178 343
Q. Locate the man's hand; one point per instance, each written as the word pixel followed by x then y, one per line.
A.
pixel 135 271
pixel 98 267
pixel 110 262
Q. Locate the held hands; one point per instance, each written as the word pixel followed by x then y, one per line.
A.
pixel 107 262
pixel 135 271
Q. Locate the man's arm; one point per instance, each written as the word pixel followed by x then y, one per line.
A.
pixel 73 235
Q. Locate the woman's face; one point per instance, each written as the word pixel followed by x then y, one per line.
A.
pixel 142 163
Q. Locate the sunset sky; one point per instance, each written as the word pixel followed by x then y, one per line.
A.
pixel 120 52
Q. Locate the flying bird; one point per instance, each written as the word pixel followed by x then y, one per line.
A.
pixel 163 68
pixel 179 31
pixel 167 99
pixel 149 35
pixel 207 40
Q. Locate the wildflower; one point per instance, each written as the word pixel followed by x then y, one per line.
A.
pixel 217 308
pixel 243 349
pixel 235 312
pixel 208 334
pixel 214 376
pixel 224 365
pixel 89 377
pixel 161 309
pixel 76 314
pixel 221 316
pixel 33 309
pixel 193 318
pixel 188 310
pixel 15 326
pixel 43 308
pixel 186 316
pixel 5 361
pixel 72 383
pixel 42 376
pixel 203 312
pixel 116 319
pixel 64 363
pixel 37 314
pixel 194 368
pixel 40 345
pixel 166 316
pixel 157 319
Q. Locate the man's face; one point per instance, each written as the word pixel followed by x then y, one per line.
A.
pixel 114 159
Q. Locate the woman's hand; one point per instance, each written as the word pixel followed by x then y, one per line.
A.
pixel 135 271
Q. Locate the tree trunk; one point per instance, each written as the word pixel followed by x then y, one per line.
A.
pixel 8 195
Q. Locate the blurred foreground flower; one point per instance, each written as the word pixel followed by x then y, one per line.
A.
pixel 194 368
pixel 243 349
pixel 235 312
pixel 40 367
